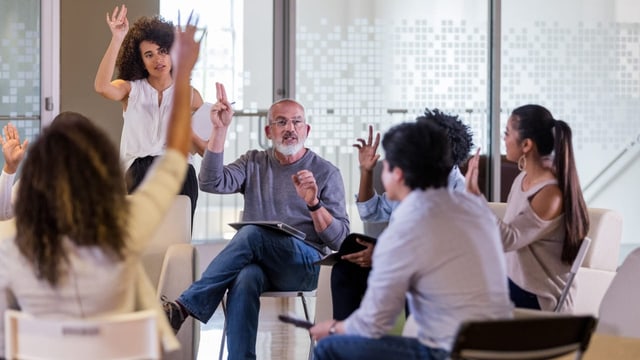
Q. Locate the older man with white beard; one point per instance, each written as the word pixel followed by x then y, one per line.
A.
pixel 287 183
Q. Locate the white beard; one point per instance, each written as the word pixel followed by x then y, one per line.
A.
pixel 288 150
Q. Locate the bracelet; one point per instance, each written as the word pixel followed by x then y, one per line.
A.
pixel 314 207
pixel 332 329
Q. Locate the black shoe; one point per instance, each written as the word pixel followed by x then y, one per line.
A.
pixel 174 313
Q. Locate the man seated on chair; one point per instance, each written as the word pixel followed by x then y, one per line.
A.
pixel 287 183
pixel 349 275
pixel 441 250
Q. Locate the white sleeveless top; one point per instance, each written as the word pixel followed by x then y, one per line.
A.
pixel 145 123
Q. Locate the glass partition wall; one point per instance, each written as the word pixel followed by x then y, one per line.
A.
pixel 380 62
pixel 582 61
pixel 20 67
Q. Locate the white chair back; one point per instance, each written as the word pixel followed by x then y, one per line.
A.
pixel 122 336
pixel 619 313
pixel 174 229
pixel 171 263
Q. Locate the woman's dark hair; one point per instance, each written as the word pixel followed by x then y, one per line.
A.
pixel 421 149
pixel 71 188
pixel 460 137
pixel 554 136
pixel 154 29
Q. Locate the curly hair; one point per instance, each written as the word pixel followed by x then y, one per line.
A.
pixel 154 29
pixel 459 134
pixel 72 188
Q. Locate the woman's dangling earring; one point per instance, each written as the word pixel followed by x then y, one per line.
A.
pixel 522 162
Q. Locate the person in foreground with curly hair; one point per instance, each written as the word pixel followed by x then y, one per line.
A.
pixel 144 87
pixel 349 275
pixel 441 252
pixel 79 237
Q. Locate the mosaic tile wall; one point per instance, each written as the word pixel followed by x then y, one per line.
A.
pixel 588 76
pixel 20 66
pixel 355 71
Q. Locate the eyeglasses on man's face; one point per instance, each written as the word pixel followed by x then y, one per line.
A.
pixel 284 123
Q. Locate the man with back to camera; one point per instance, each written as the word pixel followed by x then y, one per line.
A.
pixel 349 275
pixel 287 183
pixel 441 251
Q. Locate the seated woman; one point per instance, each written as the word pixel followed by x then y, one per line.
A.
pixel 79 238
pixel 546 217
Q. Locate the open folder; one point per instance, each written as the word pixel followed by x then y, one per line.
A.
pixel 201 121
pixel 275 225
pixel 349 246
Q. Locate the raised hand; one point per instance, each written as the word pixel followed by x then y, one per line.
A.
pixel 12 150
pixel 306 186
pixel 221 111
pixel 367 150
pixel 471 177
pixel 184 53
pixel 118 22
pixel 185 48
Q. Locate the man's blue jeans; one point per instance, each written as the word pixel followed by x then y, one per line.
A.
pixel 351 347
pixel 254 261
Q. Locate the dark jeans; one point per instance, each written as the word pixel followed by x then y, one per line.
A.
pixel 137 171
pixel 522 298
pixel 350 347
pixel 348 285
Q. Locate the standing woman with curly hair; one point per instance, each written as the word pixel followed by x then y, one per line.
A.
pixel 144 87
pixel 546 216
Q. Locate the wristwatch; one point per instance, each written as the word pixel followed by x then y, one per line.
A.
pixel 332 329
pixel 315 207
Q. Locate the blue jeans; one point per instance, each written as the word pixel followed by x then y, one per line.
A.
pixel 254 261
pixel 352 347
pixel 521 298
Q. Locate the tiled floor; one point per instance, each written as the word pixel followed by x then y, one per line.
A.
pixel 276 340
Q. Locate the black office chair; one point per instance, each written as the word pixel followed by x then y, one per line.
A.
pixel 528 338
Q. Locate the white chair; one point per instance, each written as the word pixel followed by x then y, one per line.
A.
pixel 619 314
pixel 577 262
pixel 601 263
pixel 302 295
pixel 122 336
pixel 172 265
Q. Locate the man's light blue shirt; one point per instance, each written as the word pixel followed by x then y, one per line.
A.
pixel 379 207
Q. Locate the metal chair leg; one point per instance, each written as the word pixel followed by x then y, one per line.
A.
pixel 224 328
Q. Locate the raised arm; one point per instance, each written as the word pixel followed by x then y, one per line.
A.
pixel 184 54
pixel 367 158
pixel 117 89
pixel 12 150
pixel 221 114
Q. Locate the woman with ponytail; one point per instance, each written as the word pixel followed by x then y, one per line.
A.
pixel 546 216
